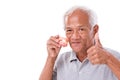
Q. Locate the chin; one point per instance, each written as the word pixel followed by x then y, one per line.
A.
pixel 77 49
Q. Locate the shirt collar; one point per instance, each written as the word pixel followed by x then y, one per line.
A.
pixel 74 58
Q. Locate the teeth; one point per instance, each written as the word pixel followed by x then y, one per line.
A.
pixel 63 41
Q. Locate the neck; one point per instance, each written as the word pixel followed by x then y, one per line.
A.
pixel 81 56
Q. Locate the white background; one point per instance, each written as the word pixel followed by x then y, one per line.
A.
pixel 26 25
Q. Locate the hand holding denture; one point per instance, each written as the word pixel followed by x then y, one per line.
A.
pixel 63 41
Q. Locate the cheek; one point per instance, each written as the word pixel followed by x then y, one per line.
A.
pixel 68 38
pixel 87 39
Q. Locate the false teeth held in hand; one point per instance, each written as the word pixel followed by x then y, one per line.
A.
pixel 63 41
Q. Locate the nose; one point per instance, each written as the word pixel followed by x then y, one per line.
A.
pixel 75 35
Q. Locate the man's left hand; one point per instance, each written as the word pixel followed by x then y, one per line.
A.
pixel 97 54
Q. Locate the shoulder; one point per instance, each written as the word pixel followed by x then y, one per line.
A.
pixel 114 52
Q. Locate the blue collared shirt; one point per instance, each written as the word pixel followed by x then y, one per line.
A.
pixel 68 67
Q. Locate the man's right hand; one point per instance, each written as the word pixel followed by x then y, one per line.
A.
pixel 53 46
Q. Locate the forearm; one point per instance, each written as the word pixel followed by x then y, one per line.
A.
pixel 47 70
pixel 114 65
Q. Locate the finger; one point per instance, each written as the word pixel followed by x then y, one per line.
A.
pixel 93 56
pixel 97 40
pixel 55 38
pixel 53 43
pixel 53 47
pixel 95 61
pixel 89 50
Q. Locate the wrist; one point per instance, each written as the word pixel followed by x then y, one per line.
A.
pixel 51 59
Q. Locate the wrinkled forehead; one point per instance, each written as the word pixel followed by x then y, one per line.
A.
pixel 78 17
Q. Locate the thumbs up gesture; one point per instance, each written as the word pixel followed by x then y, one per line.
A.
pixel 97 54
pixel 97 40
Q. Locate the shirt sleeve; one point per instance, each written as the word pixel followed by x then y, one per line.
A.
pixel 54 76
pixel 109 74
pixel 115 53
pixel 55 70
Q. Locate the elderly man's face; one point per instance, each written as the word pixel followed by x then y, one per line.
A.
pixel 79 32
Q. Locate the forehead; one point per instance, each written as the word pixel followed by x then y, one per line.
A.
pixel 78 17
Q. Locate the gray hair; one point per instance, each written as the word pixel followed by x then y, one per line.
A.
pixel 92 15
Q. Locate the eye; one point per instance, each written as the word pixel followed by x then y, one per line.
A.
pixel 68 30
pixel 82 29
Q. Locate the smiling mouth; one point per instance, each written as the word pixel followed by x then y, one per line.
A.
pixel 75 43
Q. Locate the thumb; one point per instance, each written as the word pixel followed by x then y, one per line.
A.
pixel 97 40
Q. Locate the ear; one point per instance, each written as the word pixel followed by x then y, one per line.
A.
pixel 95 29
